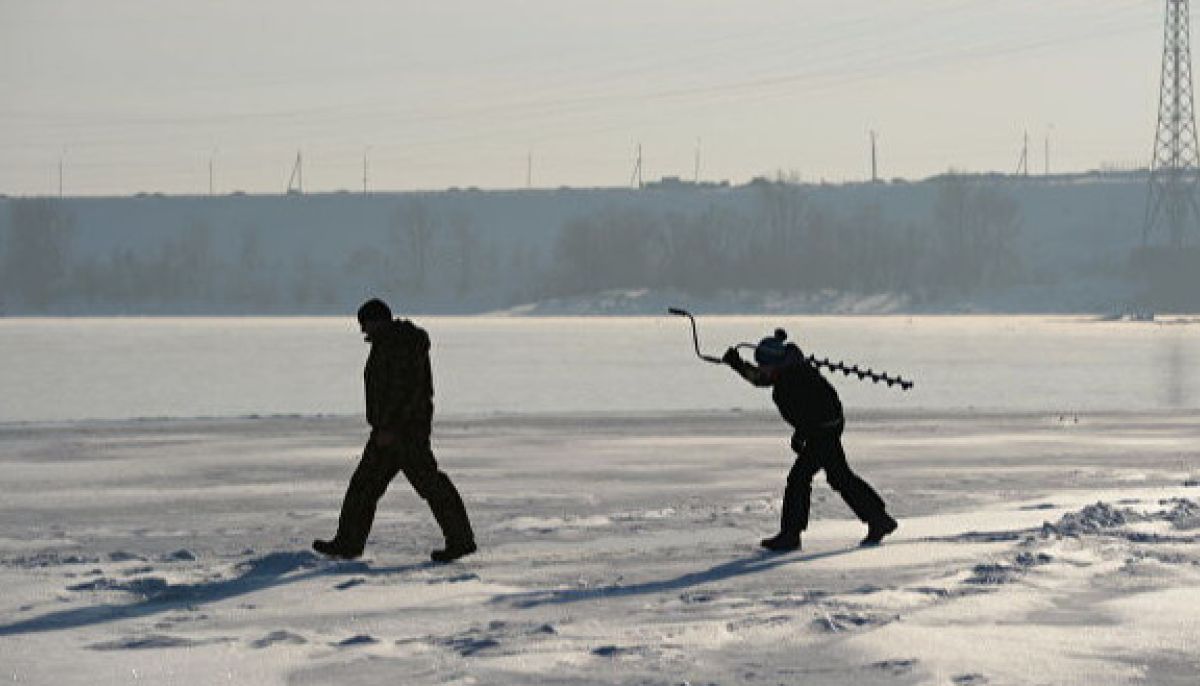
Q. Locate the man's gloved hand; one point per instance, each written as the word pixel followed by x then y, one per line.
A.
pixel 731 357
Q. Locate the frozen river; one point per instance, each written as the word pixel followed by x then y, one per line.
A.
pixel 615 548
pixel 118 368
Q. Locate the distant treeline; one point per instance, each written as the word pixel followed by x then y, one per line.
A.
pixel 440 259
pixel 781 239
pixel 787 242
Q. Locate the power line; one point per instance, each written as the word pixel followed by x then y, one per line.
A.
pixel 580 113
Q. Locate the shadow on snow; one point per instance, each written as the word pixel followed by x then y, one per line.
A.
pixel 278 569
pixel 727 570
pixel 274 569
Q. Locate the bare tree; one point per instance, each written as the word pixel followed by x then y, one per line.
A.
pixel 697 253
pixel 253 283
pixel 413 227
pixel 610 250
pixel 466 250
pixel 38 250
pixel 977 229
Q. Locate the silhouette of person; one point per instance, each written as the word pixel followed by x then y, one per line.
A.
pixel 811 406
pixel 399 394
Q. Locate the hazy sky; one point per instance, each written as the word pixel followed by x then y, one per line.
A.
pixel 139 95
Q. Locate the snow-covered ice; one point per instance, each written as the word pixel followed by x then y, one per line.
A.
pixel 1034 548
pixel 118 368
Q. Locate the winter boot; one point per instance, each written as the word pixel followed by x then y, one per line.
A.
pixel 877 529
pixel 335 550
pixel 451 516
pixel 782 542
pixel 452 551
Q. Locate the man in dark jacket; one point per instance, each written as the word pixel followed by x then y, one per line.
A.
pixel 810 404
pixel 399 389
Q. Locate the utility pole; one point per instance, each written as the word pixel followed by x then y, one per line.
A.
pixel 874 159
pixel 296 181
pixel 365 151
pixel 1023 163
pixel 1049 128
pixel 636 179
pixel 1175 165
pixel 60 174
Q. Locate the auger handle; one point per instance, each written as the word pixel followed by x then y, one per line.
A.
pixel 695 336
pixel 862 374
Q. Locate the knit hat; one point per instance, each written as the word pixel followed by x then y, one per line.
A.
pixel 772 350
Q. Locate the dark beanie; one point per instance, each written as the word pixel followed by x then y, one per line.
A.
pixel 374 310
pixel 772 350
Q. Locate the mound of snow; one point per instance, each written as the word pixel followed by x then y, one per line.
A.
pixel 1090 520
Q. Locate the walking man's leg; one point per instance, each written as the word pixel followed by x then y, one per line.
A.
pixel 447 505
pixel 793 518
pixel 370 481
pixel 858 494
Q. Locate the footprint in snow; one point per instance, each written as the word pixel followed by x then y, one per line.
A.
pixel 145 586
pixel 469 645
pixel 280 636
pixel 612 651
pixel 618 652
pixel 990 575
pixel 479 639
pixel 456 579
pixel 50 560
pixel 359 640
pixel 124 556
pixel 837 622
pixel 172 621
pixel 895 667
pixel 153 641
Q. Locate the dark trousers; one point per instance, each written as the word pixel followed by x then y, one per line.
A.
pixel 376 470
pixel 817 450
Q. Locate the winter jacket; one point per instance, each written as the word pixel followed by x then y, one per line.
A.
pixel 805 399
pixel 399 381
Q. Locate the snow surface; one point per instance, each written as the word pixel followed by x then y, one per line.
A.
pixel 1033 548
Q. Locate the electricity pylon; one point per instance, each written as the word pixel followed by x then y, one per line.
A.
pixel 1175 166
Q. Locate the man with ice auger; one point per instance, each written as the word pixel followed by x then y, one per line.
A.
pixel 810 404
pixel 399 389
